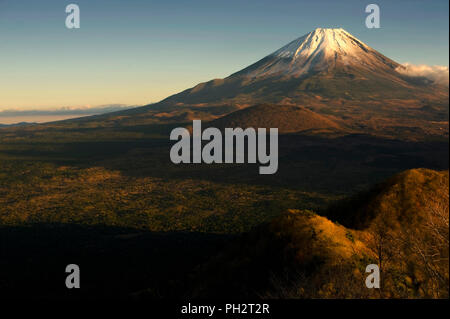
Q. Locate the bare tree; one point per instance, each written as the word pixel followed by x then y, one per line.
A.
pixel 430 243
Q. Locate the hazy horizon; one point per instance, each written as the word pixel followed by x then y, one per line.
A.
pixel 38 118
pixel 33 115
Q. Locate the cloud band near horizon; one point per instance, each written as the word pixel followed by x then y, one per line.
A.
pixel 63 111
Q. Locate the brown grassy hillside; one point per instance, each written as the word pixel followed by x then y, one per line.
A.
pixel 287 118
pixel 303 255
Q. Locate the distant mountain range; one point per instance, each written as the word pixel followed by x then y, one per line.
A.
pixel 16 124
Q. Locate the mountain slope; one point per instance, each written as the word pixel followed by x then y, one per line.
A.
pixel 402 198
pixel 327 62
pixel 303 255
pixel 287 118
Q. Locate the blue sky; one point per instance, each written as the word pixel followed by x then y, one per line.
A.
pixel 136 52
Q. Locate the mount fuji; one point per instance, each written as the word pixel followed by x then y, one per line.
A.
pixel 325 63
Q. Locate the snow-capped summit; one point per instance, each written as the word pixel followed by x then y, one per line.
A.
pixel 321 49
pixel 328 41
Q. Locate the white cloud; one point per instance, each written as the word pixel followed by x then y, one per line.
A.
pixel 436 73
